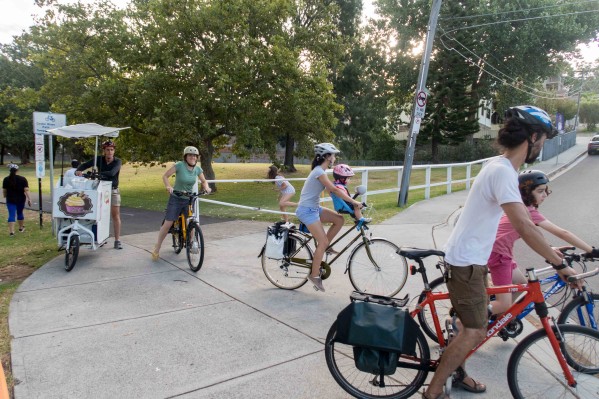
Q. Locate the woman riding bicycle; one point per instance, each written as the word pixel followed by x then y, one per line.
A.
pixel 309 211
pixel 534 189
pixel 186 174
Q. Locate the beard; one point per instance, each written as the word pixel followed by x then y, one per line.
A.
pixel 534 154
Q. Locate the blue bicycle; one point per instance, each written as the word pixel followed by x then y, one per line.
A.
pixel 582 310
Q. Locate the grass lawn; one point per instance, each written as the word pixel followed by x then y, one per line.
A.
pixel 141 187
pixel 20 256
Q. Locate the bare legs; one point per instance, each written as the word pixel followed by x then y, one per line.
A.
pixel 453 357
pixel 284 203
pixel 161 235
pixel 115 213
pixel 324 239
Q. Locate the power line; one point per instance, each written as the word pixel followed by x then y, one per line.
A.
pixel 517 11
pixel 503 80
pixel 522 19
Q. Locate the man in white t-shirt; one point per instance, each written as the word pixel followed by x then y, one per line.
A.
pixel 494 192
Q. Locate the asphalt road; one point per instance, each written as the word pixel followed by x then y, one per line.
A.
pixel 572 205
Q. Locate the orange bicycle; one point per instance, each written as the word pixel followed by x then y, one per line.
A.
pixel 556 361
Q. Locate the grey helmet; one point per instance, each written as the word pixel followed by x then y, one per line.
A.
pixel 325 148
pixel 532 178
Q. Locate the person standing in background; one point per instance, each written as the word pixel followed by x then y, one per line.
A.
pixel 15 189
pixel 109 169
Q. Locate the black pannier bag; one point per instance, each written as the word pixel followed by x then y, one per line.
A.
pixel 379 328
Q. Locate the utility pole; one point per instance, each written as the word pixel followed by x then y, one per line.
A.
pixel 578 102
pixel 419 104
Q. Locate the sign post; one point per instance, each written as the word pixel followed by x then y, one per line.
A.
pixel 419 104
pixel 42 122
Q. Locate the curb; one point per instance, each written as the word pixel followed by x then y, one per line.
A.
pixel 566 165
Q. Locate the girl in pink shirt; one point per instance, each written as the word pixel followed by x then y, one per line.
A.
pixel 503 269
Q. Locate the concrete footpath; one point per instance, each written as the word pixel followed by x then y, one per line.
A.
pixel 122 326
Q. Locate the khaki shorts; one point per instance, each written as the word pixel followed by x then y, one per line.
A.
pixel 115 198
pixel 467 287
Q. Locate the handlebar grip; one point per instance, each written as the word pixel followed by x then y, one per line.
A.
pixel 581 276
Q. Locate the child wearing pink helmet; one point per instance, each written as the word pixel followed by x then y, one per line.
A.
pixel 342 173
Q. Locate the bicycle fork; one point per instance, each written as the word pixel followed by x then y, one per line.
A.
pixel 553 339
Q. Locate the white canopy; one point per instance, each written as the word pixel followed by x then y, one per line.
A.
pixel 84 130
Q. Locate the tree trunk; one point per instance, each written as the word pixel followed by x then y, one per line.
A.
pixel 2 148
pixel 206 153
pixel 288 165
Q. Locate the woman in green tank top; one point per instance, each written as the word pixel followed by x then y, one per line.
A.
pixel 186 174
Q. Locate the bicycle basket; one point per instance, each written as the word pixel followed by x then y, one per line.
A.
pixel 376 322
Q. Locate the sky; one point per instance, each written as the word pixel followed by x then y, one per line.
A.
pixel 16 16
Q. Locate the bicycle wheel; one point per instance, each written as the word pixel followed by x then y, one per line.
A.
pixel 386 279
pixel 409 376
pixel 70 256
pixel 534 372
pixel 177 234
pixel 195 247
pixel 292 271
pixel 576 312
pixel 425 317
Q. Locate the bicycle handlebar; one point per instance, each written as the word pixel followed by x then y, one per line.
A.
pixel 581 276
pixel 189 194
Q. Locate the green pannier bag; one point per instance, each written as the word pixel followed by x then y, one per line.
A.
pixel 377 322
pixel 379 328
pixel 375 361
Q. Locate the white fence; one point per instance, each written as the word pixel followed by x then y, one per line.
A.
pixel 448 183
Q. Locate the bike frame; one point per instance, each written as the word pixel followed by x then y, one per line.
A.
pixel 533 295
pixel 184 220
pixel 361 234
pixel 590 309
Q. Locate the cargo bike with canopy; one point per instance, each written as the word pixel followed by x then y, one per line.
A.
pixel 81 205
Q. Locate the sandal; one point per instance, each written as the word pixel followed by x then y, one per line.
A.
pixel 459 380
pixel 155 255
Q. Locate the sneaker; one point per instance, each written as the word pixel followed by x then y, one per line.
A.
pixel 21 229
pixel 365 220
pixel 118 245
pixel 317 281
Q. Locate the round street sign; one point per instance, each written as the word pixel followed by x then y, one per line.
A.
pixel 421 99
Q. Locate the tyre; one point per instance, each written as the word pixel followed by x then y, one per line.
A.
pixel 177 234
pixel 292 271
pixel 386 279
pixel 195 247
pixel 409 376
pixel 72 253
pixel 534 372
pixel 577 312
pixel 425 317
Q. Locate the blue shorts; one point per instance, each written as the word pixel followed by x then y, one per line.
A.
pixel 15 210
pixel 308 215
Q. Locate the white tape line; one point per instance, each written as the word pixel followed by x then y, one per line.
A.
pixel 253 208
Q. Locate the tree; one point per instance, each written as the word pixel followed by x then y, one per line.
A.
pixel 589 114
pixel 512 46
pixel 19 98
pixel 189 72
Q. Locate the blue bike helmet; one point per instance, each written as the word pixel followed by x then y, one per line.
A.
pixel 534 117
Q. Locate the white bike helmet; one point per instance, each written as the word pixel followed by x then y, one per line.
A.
pixel 325 148
pixel 190 150
pixel 12 166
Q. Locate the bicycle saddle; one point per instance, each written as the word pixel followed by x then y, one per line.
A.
pixel 416 253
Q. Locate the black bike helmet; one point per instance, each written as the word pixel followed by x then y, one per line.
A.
pixel 534 117
pixel 527 182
